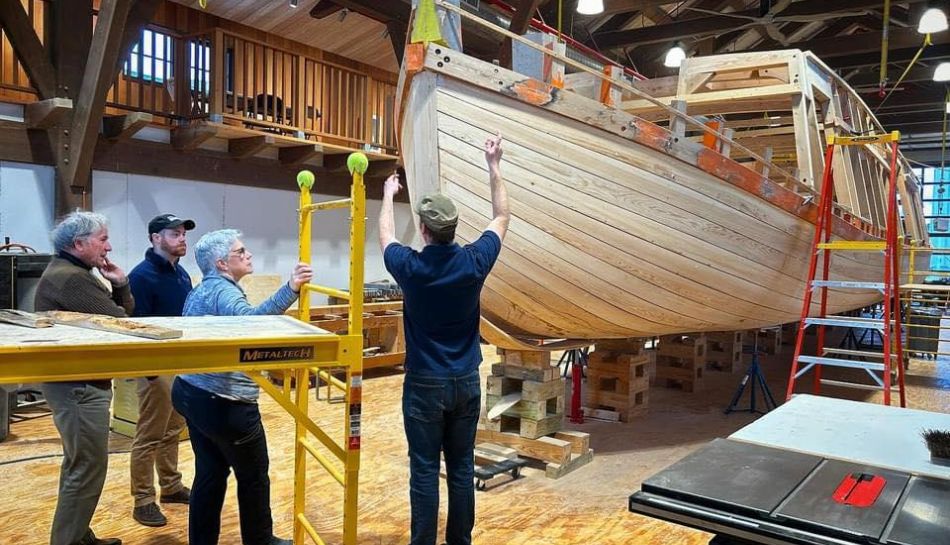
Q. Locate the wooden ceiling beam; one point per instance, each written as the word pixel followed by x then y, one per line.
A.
pixel 44 114
pixel 384 12
pixel 857 60
pixel 242 148
pixel 34 57
pixel 864 42
pixel 520 22
pixel 121 127
pixel 97 79
pixel 704 26
pixel 295 155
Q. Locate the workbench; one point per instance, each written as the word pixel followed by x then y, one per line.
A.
pixel 208 344
pixel 815 471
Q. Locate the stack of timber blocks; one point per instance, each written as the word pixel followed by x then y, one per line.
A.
pixel 618 380
pixel 770 340
pixel 681 361
pixel 724 350
pixel 532 426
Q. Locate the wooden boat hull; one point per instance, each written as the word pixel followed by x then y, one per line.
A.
pixel 609 237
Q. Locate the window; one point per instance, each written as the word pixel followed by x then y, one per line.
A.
pixel 151 58
pixel 199 68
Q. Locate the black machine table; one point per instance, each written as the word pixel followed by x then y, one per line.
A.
pixel 772 495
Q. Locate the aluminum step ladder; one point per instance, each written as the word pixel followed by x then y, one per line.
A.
pixel 885 364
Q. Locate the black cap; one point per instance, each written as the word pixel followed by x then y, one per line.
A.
pixel 168 221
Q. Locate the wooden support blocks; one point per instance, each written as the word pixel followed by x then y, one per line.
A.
pixel 724 350
pixel 563 453
pixel 527 379
pixel 770 340
pixel 617 382
pixel 681 361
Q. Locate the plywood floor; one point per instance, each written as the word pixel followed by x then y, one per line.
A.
pixel 587 506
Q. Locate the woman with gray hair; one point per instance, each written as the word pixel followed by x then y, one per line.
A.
pixel 81 408
pixel 224 421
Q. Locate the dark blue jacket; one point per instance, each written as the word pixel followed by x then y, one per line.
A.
pixel 159 288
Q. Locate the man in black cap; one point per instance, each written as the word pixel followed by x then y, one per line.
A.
pixel 441 396
pixel 160 285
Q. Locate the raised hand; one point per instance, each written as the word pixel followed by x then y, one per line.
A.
pixel 493 149
pixel 112 272
pixel 302 274
pixel 392 185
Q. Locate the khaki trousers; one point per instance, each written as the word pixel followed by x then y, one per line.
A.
pixel 155 445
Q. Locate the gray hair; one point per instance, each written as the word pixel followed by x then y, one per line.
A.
pixel 76 226
pixel 214 246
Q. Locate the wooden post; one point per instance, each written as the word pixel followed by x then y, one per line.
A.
pixel 610 94
pixel 678 124
pixel 725 146
pixel 217 72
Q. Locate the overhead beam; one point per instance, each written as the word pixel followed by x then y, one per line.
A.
pixel 295 155
pixel 864 42
pixel 47 113
pixel 397 35
pixel 34 57
pixel 70 37
pixel 704 26
pixel 384 12
pixel 242 148
pixel 189 137
pixel 520 22
pixel 871 77
pixel 97 79
pixel 857 60
pixel 121 127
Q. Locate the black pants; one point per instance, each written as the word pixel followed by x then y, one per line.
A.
pixel 225 434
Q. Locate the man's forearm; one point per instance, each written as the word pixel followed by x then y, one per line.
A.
pixel 387 223
pixel 499 193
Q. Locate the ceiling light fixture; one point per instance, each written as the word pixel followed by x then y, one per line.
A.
pixel 942 73
pixel 590 7
pixel 675 56
pixel 933 20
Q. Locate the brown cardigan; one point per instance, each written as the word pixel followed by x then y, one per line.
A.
pixel 65 285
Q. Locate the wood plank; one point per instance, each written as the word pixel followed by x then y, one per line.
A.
pixel 98 77
pixel 556 471
pixel 191 136
pixel 506 402
pixel 35 58
pixel 23 318
pixel 122 127
pixel 548 449
pixel 47 113
pixel 296 155
pixel 111 324
pixel 241 148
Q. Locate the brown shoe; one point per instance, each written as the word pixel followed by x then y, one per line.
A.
pixel 182 496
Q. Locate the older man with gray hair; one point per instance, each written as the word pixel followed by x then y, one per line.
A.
pixel 81 408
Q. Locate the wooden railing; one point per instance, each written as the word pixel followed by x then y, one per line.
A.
pixel 218 72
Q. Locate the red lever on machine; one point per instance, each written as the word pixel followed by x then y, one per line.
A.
pixel 859 489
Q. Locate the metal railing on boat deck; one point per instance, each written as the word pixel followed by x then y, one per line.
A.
pixel 218 72
pixel 680 121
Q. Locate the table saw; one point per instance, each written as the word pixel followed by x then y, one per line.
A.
pixel 816 471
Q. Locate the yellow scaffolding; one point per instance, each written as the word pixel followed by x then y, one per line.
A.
pixel 252 344
pixel 926 303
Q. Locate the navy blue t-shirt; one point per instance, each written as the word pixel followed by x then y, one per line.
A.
pixel 441 287
pixel 159 288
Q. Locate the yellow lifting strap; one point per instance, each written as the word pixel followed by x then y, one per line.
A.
pixel 426 26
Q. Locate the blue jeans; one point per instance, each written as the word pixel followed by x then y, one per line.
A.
pixel 440 416
pixel 225 434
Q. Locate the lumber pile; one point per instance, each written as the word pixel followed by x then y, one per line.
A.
pixel 525 411
pixel 724 350
pixel 618 381
pixel 681 361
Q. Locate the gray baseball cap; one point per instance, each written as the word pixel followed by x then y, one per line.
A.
pixel 438 212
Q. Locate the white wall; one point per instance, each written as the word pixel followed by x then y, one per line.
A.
pixel 266 216
pixel 26 204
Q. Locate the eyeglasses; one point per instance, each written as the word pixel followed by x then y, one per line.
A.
pixel 240 252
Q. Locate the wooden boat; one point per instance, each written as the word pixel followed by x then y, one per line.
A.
pixel 630 219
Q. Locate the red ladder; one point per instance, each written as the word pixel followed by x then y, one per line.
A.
pixel 890 324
